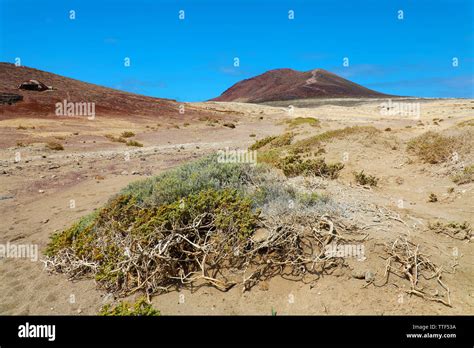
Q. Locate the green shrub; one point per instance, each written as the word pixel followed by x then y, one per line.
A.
pixel 293 165
pixel 365 179
pixel 140 308
pixel 282 140
pixel 127 134
pixel 261 143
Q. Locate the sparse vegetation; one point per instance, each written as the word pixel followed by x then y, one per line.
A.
pixel 140 308
pixel 365 179
pixel 314 122
pixel 432 147
pixel 282 140
pixel 466 123
pixel 316 140
pixel 134 143
pixel 54 146
pixel 432 198
pixel 115 139
pixel 261 143
pixel 20 127
pixel 465 176
pixel 156 234
pixel 127 134
pixel 229 125
pixel 294 165
pixel 453 229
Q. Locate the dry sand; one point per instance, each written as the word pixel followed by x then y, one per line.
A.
pixel 36 192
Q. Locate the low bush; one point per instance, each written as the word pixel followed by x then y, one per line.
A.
pixel 365 179
pixel 432 147
pixel 140 308
pixel 54 146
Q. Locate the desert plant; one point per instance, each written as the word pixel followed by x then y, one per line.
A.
pixel 54 146
pixel 314 122
pixel 365 179
pixel 140 308
pixel 432 198
pixel 465 176
pixel 294 165
pixel 282 140
pixel 432 147
pixel 453 229
pixel 261 143
pixel 134 143
pixel 127 134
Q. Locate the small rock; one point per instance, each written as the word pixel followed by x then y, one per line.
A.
pixel 53 176
pixel 79 311
pixel 41 191
pixel 124 173
pixel 135 173
pixel 369 276
pixel 45 221
pixel 358 274
pixel 54 166
pixel 260 235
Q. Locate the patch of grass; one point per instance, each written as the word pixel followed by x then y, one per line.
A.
pixel 336 134
pixel 282 140
pixel 294 165
pixel 261 143
pixel 365 179
pixel 464 177
pixel 52 145
pixel 314 122
pixel 127 134
pixel 466 123
pixel 134 143
pixel 432 147
pixel 140 308
pixel 115 139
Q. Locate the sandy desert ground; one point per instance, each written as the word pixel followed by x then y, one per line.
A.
pixel 36 192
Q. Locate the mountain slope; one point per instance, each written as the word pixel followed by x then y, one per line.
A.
pixel 108 101
pixel 288 84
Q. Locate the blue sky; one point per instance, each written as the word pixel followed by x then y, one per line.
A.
pixel 192 59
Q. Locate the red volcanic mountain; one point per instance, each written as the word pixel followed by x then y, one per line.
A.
pixel 288 84
pixel 108 101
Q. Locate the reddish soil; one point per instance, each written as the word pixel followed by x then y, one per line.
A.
pixel 108 101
